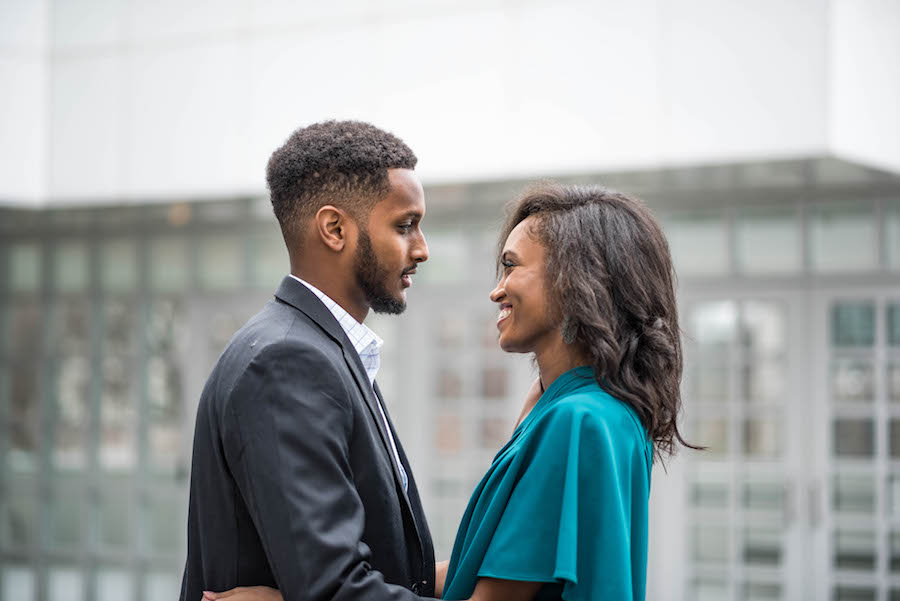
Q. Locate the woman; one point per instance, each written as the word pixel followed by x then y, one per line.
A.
pixel 587 286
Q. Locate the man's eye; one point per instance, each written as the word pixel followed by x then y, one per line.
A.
pixel 405 227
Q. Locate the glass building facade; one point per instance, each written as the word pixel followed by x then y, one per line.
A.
pixel 789 271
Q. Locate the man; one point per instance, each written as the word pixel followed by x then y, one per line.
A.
pixel 298 480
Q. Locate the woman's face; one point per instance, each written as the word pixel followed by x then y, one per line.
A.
pixel 525 322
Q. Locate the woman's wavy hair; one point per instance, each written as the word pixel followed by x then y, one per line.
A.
pixel 611 279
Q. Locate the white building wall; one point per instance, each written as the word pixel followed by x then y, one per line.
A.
pixel 24 77
pixel 865 81
pixel 156 100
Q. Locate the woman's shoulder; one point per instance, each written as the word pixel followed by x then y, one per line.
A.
pixel 593 408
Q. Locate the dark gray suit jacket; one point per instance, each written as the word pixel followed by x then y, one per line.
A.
pixel 293 484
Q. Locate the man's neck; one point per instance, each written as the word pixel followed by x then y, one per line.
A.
pixel 359 310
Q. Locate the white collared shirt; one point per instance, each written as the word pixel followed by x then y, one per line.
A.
pixel 368 347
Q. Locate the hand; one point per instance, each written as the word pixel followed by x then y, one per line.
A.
pixel 245 593
pixel 534 393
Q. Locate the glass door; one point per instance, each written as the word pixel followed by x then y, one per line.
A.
pixel 743 396
pixel 856 519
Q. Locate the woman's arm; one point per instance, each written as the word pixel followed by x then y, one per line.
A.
pixel 494 589
pixel 440 574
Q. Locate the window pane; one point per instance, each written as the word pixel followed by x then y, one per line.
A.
pixel 114 585
pixel 170 264
pixel 65 584
pixel 24 267
pixel 448 433
pixel 448 259
pixel 21 512
pixel 893 381
pixel 768 241
pixel 710 382
pixel 24 416
pixel 117 415
pixel 449 383
pixel 894 495
pixel 221 262
pixel 705 589
pixel 24 328
pixel 842 238
pixel 711 544
pixel 762 437
pixel 895 438
pixel 67 511
pixel 893 324
pixel 495 432
pixel 763 328
pixel 18 583
pixel 764 381
pixel 494 382
pixel 854 437
pixel 165 522
pixel 71 326
pixel 72 412
pixel 161 586
pixel 70 267
pixel 118 266
pixel 713 327
pixel 854 493
pixel 854 549
pixel 761 591
pixel 853 593
pixel 895 551
pixel 115 518
pixel 764 496
pixel 853 324
pixel 762 546
pixel 165 327
pixel 699 244
pixel 712 433
pixel 852 380
pixel 269 259
pixel 892 233
pixel 119 327
pixel 709 495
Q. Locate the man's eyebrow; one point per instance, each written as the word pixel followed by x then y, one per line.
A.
pixel 413 214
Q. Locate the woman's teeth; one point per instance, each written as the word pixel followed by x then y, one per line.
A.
pixel 504 313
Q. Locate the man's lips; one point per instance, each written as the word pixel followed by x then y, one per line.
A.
pixel 405 279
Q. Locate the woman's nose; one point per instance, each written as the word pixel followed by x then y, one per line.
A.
pixel 497 293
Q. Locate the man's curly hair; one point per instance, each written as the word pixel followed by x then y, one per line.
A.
pixel 344 163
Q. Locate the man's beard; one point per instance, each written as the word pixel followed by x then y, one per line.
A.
pixel 371 276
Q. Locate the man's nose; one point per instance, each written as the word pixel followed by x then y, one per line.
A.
pixel 420 252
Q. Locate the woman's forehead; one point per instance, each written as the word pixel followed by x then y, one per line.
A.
pixel 521 239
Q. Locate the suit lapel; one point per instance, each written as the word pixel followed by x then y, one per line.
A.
pixel 299 296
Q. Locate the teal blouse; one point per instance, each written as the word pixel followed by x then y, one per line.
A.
pixel 564 502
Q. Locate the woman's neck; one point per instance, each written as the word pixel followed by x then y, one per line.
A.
pixel 556 358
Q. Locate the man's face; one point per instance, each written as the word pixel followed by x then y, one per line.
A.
pixel 391 245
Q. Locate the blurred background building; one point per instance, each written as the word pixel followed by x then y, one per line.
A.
pixel 136 236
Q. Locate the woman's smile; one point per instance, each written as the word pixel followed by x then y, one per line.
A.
pixel 505 310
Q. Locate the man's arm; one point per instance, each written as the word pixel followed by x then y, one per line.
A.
pixel 287 433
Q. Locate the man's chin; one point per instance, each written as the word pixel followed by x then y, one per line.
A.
pixel 391 305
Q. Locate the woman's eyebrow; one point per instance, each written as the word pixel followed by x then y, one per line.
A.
pixel 508 254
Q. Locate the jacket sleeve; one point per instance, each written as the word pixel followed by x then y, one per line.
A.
pixel 287 430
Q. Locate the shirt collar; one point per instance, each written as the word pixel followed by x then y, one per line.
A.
pixel 365 341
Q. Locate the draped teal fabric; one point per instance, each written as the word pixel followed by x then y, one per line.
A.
pixel 564 502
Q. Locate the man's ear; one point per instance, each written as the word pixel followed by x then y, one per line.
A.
pixel 333 226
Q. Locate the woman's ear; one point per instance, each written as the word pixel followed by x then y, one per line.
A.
pixel 332 225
